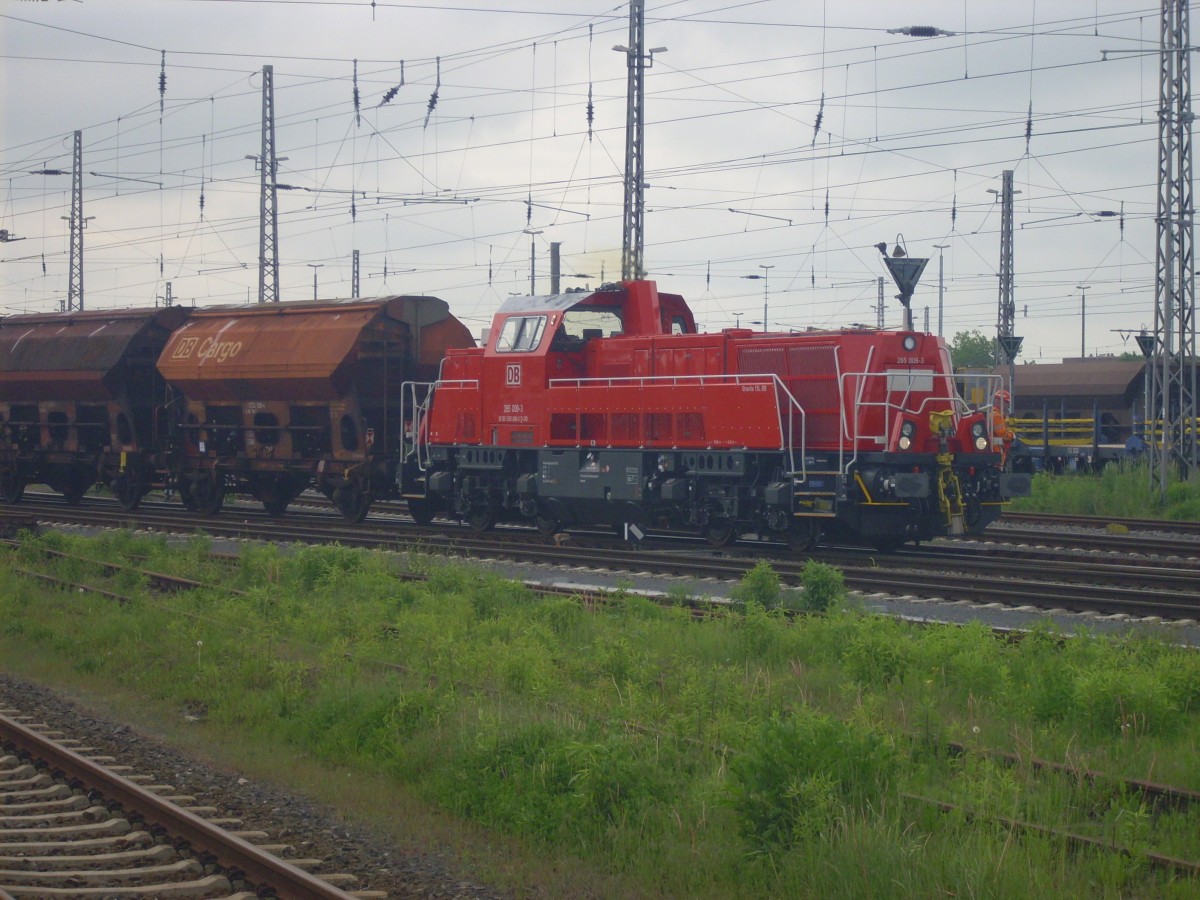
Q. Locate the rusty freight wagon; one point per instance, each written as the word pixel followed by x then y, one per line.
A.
pixel 286 396
pixel 81 401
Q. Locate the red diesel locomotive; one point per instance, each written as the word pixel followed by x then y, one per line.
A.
pixel 610 408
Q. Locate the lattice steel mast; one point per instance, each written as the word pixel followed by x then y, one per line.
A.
pixel 1172 363
pixel 268 222
pixel 1008 345
pixel 633 236
pixel 75 281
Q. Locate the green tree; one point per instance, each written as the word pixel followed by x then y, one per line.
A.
pixel 972 348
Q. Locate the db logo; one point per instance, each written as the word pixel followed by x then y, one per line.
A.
pixel 184 348
pixel 512 375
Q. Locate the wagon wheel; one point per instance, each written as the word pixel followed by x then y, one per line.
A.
pixel 74 487
pixel 208 493
pixel 421 509
pixel 273 492
pixel 482 517
pixel 129 491
pixel 720 532
pixel 186 495
pixel 352 502
pixel 275 506
pixel 803 535
pixel 12 485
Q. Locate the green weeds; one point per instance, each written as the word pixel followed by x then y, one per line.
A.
pixel 753 753
pixel 1120 490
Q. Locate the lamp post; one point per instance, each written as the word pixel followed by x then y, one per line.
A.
pixel 941 284
pixel 314 267
pixel 532 259
pixel 1083 289
pixel 766 269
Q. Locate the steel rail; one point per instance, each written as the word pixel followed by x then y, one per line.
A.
pixel 232 852
pixel 1010 582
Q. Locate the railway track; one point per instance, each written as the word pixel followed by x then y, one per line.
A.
pixel 1049 578
pixel 77 824
pixel 1101 522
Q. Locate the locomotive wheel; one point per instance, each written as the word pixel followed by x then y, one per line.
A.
pixel 482 517
pixel 352 503
pixel 421 509
pixel 208 494
pixel 803 536
pixel 128 491
pixel 889 544
pixel 720 532
pixel 12 486
pixel 546 524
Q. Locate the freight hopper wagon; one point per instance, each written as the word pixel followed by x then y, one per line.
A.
pixel 81 402
pixel 286 396
pixel 610 408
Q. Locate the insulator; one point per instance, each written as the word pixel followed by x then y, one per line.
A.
pixel 357 114
pixel 433 105
pixel 389 94
pixel 826 206
pixel 820 116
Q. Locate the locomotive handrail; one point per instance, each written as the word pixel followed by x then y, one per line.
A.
pixel 411 400
pixel 852 435
pixel 787 441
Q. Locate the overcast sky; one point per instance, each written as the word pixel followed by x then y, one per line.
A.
pixel 746 166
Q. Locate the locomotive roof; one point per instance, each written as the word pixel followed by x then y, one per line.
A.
pixel 548 303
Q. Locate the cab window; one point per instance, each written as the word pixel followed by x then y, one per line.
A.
pixel 520 334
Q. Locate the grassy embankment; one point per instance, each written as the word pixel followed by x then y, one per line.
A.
pixel 1118 491
pixel 634 749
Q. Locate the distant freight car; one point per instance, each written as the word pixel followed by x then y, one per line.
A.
pixel 610 408
pixel 81 402
pixel 281 397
